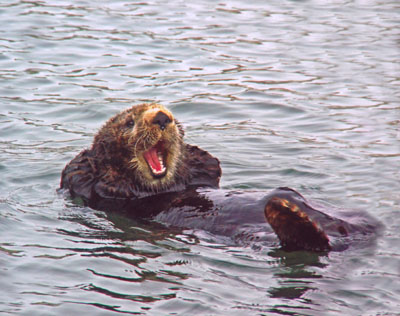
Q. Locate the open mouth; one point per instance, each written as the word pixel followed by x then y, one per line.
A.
pixel 155 157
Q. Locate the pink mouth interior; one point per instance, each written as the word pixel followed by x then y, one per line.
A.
pixel 154 157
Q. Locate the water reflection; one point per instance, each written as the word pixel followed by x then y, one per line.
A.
pixel 135 246
pixel 297 278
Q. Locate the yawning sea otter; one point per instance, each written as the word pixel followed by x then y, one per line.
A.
pixel 139 152
pixel 139 164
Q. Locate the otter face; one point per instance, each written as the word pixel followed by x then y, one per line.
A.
pixel 152 141
pixel 156 142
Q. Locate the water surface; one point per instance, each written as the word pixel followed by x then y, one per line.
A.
pixel 286 93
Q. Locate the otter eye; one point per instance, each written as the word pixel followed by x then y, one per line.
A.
pixel 130 123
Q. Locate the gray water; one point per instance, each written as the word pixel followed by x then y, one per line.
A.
pixel 286 93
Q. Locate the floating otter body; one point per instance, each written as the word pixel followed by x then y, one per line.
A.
pixel 139 164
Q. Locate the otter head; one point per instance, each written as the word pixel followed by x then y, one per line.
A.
pixel 145 142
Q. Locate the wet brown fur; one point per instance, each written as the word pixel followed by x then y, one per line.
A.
pixel 293 226
pixel 114 166
pixel 114 174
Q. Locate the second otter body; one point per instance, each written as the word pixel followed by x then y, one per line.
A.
pixel 139 164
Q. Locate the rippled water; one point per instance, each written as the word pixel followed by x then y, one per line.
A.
pixel 286 93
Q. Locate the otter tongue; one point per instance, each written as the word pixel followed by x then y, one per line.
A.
pixel 153 159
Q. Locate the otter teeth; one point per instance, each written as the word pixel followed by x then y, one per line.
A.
pixel 155 161
pixel 160 159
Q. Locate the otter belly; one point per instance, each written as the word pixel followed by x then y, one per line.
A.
pixel 248 217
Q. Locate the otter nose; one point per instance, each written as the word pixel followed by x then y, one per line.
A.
pixel 161 119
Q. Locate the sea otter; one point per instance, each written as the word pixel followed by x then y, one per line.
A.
pixel 139 164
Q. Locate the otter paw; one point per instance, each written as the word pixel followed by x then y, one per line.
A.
pixel 295 230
